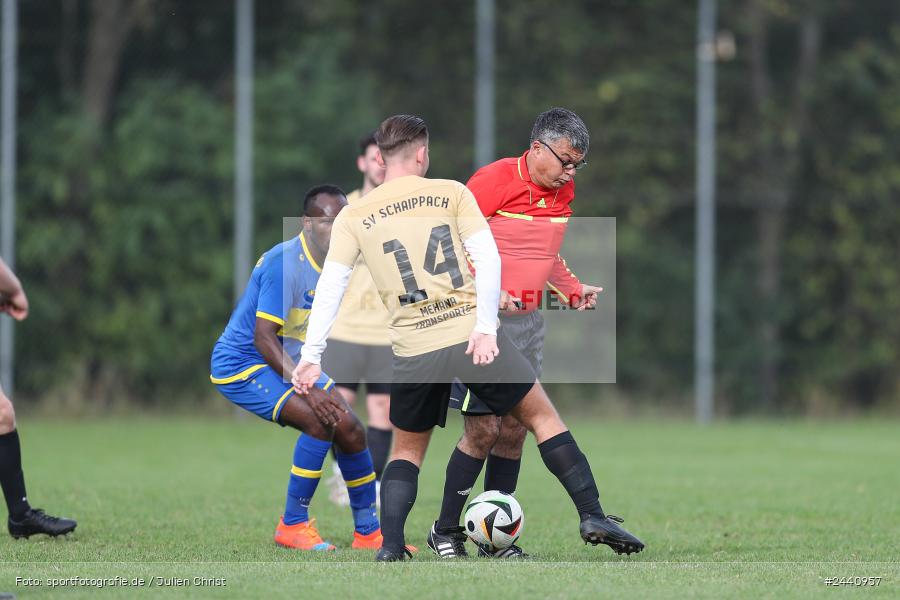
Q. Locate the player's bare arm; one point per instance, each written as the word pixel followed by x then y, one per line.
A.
pixel 305 376
pixel 13 300
pixel 329 292
pixel 327 407
pixel 483 340
pixel 265 337
pixel 588 298
pixel 482 347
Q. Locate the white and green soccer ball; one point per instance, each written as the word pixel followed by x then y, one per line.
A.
pixel 494 519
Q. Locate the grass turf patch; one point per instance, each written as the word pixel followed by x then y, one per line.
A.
pixel 748 509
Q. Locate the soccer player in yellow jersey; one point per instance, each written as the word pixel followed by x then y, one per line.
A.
pixel 358 348
pixel 411 232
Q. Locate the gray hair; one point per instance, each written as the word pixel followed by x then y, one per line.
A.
pixel 557 123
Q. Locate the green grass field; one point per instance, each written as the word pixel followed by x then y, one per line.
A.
pixel 735 510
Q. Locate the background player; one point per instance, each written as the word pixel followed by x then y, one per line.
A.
pixel 527 200
pixel 436 324
pixel 358 349
pixel 252 363
pixel 23 520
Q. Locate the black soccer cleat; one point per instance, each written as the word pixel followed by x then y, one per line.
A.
pixel 449 543
pixel 605 530
pixel 385 555
pixel 511 552
pixel 37 521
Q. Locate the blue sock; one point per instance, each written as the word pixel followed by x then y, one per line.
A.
pixel 309 455
pixel 360 477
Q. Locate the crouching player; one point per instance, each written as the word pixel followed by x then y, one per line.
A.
pixel 252 363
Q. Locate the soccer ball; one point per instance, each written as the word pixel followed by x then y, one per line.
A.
pixel 494 519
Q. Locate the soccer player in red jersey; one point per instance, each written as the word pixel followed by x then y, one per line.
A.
pixel 527 200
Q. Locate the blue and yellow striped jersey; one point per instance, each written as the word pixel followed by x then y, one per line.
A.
pixel 281 289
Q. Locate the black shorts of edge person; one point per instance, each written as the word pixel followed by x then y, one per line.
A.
pixel 349 363
pixel 421 387
pixel 526 332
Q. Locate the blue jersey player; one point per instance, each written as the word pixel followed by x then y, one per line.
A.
pixel 252 363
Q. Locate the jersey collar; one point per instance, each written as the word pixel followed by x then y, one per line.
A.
pixel 522 165
pixel 308 254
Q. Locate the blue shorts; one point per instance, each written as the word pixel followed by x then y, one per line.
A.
pixel 263 392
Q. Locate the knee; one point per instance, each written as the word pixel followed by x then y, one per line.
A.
pixel 350 434
pixel 319 431
pixel 410 446
pixel 356 430
pixel 512 433
pixel 379 408
pixel 7 415
pixel 480 435
pixel 379 403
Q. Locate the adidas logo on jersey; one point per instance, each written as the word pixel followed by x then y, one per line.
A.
pixel 541 203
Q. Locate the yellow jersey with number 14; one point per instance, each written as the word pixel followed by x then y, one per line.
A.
pixel 362 319
pixel 409 232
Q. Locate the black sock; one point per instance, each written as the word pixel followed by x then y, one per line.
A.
pixel 379 447
pixel 399 485
pixel 502 473
pixel 12 480
pixel 562 456
pixel 462 471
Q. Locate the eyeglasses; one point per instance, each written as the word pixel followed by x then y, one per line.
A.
pixel 567 166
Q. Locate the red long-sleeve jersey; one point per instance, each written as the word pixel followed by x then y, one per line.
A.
pixel 529 223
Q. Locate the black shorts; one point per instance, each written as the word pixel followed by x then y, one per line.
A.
pixel 421 387
pixel 348 364
pixel 526 332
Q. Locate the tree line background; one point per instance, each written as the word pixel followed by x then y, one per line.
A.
pixel 125 182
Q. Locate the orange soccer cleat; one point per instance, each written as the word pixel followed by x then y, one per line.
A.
pixel 302 536
pixel 373 541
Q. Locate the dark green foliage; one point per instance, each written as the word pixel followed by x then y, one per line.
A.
pixel 125 223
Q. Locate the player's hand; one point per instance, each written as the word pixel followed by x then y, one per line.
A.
pixel 327 408
pixel 483 348
pixel 305 376
pixel 588 299
pixel 510 303
pixel 15 306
